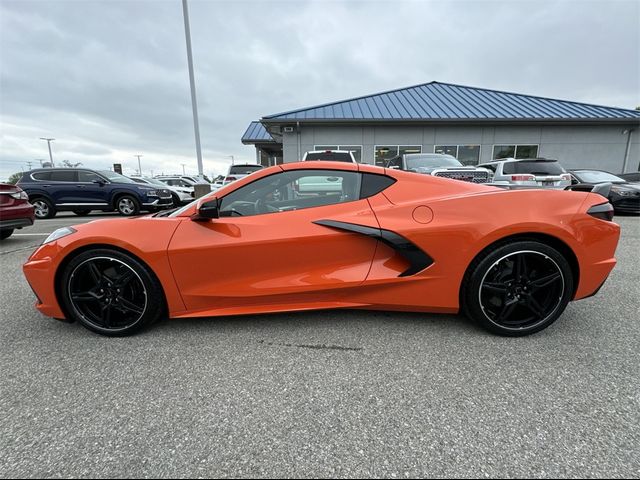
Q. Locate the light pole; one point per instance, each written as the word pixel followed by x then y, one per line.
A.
pixel 139 167
pixel 183 164
pixel 49 140
pixel 232 159
pixel 194 105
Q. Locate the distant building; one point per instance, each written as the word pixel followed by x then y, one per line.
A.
pixel 473 124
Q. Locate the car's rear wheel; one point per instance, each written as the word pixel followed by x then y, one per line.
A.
pixel 518 288
pixel 175 199
pixel 82 213
pixel 110 292
pixel 127 205
pixel 43 208
pixel 6 233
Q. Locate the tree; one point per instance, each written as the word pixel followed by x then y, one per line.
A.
pixel 13 179
pixel 68 164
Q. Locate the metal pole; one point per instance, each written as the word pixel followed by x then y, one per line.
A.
pixel 49 140
pixel 183 164
pixel 194 105
pixel 139 166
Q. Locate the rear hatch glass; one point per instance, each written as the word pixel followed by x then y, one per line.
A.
pixel 244 169
pixel 534 168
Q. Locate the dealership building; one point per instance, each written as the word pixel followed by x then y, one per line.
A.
pixel 473 124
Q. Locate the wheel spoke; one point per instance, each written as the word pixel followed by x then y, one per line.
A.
pixel 106 315
pixel 96 274
pixel 535 308
pixel 545 281
pixel 123 279
pixel 84 296
pixel 129 306
pixel 495 287
pixel 507 310
pixel 520 267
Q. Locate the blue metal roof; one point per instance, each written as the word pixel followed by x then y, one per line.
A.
pixel 443 101
pixel 256 133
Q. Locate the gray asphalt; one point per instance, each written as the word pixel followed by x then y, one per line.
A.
pixel 324 394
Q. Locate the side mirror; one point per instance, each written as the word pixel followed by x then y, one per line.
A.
pixel 207 211
pixel 99 182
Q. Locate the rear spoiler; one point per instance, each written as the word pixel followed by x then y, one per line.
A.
pixel 599 188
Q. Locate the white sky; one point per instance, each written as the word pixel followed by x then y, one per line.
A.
pixel 108 79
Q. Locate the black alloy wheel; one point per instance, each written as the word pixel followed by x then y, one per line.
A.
pixel 111 293
pixel 519 288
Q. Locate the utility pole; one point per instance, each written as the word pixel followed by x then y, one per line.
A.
pixel 29 165
pixel 39 160
pixel 139 167
pixel 232 159
pixel 49 140
pixel 194 105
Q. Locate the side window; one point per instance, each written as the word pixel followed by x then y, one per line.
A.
pixel 64 176
pixel 395 162
pixel 42 176
pixel 293 190
pixel 373 183
pixel 182 183
pixel 88 177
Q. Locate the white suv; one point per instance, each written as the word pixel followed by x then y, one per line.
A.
pixel 528 173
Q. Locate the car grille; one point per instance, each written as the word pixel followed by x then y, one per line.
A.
pixel 164 193
pixel 467 176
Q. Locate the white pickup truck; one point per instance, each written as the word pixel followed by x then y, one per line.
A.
pixel 440 165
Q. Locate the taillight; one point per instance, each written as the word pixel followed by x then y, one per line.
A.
pixel 230 179
pixel 522 178
pixel 604 211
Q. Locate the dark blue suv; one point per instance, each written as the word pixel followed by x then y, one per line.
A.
pixel 81 190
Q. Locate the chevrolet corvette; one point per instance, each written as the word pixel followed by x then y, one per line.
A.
pixel 324 235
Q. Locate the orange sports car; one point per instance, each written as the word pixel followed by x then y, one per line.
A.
pixel 320 235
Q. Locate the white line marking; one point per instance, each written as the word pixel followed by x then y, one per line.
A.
pixel 29 234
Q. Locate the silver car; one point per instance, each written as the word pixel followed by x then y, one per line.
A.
pixel 528 173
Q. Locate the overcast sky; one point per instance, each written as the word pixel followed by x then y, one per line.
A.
pixel 109 79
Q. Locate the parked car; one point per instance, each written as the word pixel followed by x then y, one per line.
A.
pixel 623 195
pixel 239 171
pixel 529 173
pixel 329 155
pixel 82 190
pixel 185 181
pixel 630 177
pixel 180 194
pixel 373 244
pixel 15 210
pixel 439 165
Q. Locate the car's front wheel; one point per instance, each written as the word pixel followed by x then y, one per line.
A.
pixel 6 233
pixel 127 205
pixel 518 288
pixel 110 292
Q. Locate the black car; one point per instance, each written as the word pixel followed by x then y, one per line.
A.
pixel 81 190
pixel 624 195
pixel 630 177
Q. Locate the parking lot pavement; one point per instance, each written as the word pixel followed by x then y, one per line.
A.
pixel 336 393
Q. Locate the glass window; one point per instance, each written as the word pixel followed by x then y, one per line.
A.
pixel 395 162
pixel 64 176
pixel 325 147
pixel 504 151
pixel 292 190
pixel 42 176
pixel 540 167
pixel 407 149
pixel 469 154
pixel 595 176
pixel 332 156
pixel 373 184
pixel 354 149
pixel 447 150
pixel 429 161
pixel 91 177
pixel 241 170
pixel 115 177
pixel 384 153
pixel 526 151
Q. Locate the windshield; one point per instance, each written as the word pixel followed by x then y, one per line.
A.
pixel 115 177
pixel 154 181
pixel 420 160
pixel 594 176
pixel 244 169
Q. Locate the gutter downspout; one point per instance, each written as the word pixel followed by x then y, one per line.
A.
pixel 299 145
pixel 626 152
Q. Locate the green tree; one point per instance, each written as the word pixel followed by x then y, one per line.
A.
pixel 13 179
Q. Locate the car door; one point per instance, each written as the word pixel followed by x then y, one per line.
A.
pixel 92 189
pixel 272 244
pixel 63 188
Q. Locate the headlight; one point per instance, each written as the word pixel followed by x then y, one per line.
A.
pixel 151 193
pixel 20 195
pixel 59 233
pixel 623 192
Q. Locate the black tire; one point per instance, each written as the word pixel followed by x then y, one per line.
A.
pixel 6 233
pixel 176 200
pixel 127 205
pixel 82 213
pixel 110 292
pixel 517 288
pixel 43 208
